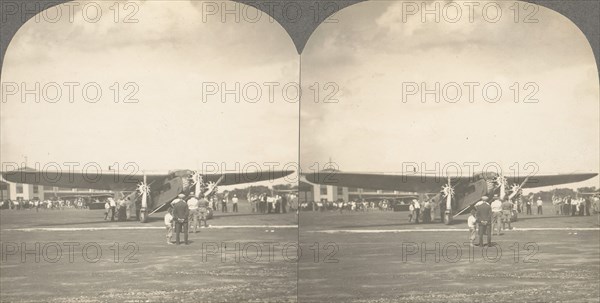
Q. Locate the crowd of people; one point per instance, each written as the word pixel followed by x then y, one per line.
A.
pixel 186 214
pixel 575 206
pixel 352 205
pixel 423 211
pixel 566 206
pixel 189 213
pixel 268 204
pixel 36 204
pixel 263 203
pixel 489 218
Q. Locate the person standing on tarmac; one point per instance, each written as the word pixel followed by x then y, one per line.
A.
pixel 203 210
pixel 484 220
pixel 169 225
pixel 234 202
pixel 417 207
pixel 496 214
pixel 539 204
pixel 194 219
pixel 113 208
pixel 426 212
pixel 181 214
pixel 224 202
pixel 507 208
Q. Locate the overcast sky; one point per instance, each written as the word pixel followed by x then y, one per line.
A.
pixel 370 51
pixel 168 54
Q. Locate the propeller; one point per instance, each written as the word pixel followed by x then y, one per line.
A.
pixel 212 186
pixel 448 191
pixel 517 188
pixel 196 180
pixel 144 189
pixel 502 183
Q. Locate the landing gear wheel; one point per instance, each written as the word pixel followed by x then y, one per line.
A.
pixel 143 216
pixel 447 218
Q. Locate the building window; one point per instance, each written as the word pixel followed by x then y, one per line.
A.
pixel 19 188
pixel 340 190
pixel 36 189
pixel 323 189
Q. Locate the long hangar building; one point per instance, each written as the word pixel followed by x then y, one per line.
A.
pixel 18 191
pixel 309 192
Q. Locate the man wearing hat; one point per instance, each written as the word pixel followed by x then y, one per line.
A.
pixel 496 214
pixel 234 202
pixel 417 210
pixel 507 209
pixel 203 205
pixel 194 219
pixel 484 220
pixel 181 212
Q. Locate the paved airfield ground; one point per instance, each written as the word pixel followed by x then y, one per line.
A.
pixel 148 270
pixel 371 264
pixel 560 266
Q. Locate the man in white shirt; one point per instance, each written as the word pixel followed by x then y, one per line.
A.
pixel 472 224
pixel 169 225
pixel 106 210
pixel 194 218
pixel 253 203
pixel 113 208
pixel 417 207
pixel 539 204
pixel 496 214
pixel 234 201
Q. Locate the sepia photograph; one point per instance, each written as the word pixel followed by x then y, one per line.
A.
pixel 149 154
pixel 452 143
pixel 299 151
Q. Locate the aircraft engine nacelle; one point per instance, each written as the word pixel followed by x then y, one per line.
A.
pixel 167 191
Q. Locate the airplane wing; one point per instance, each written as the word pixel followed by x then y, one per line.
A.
pixel 245 177
pixel 125 181
pixel 116 181
pixel 427 183
pixel 405 183
pixel 548 180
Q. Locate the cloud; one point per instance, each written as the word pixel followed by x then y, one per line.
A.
pixel 371 129
pixel 168 56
